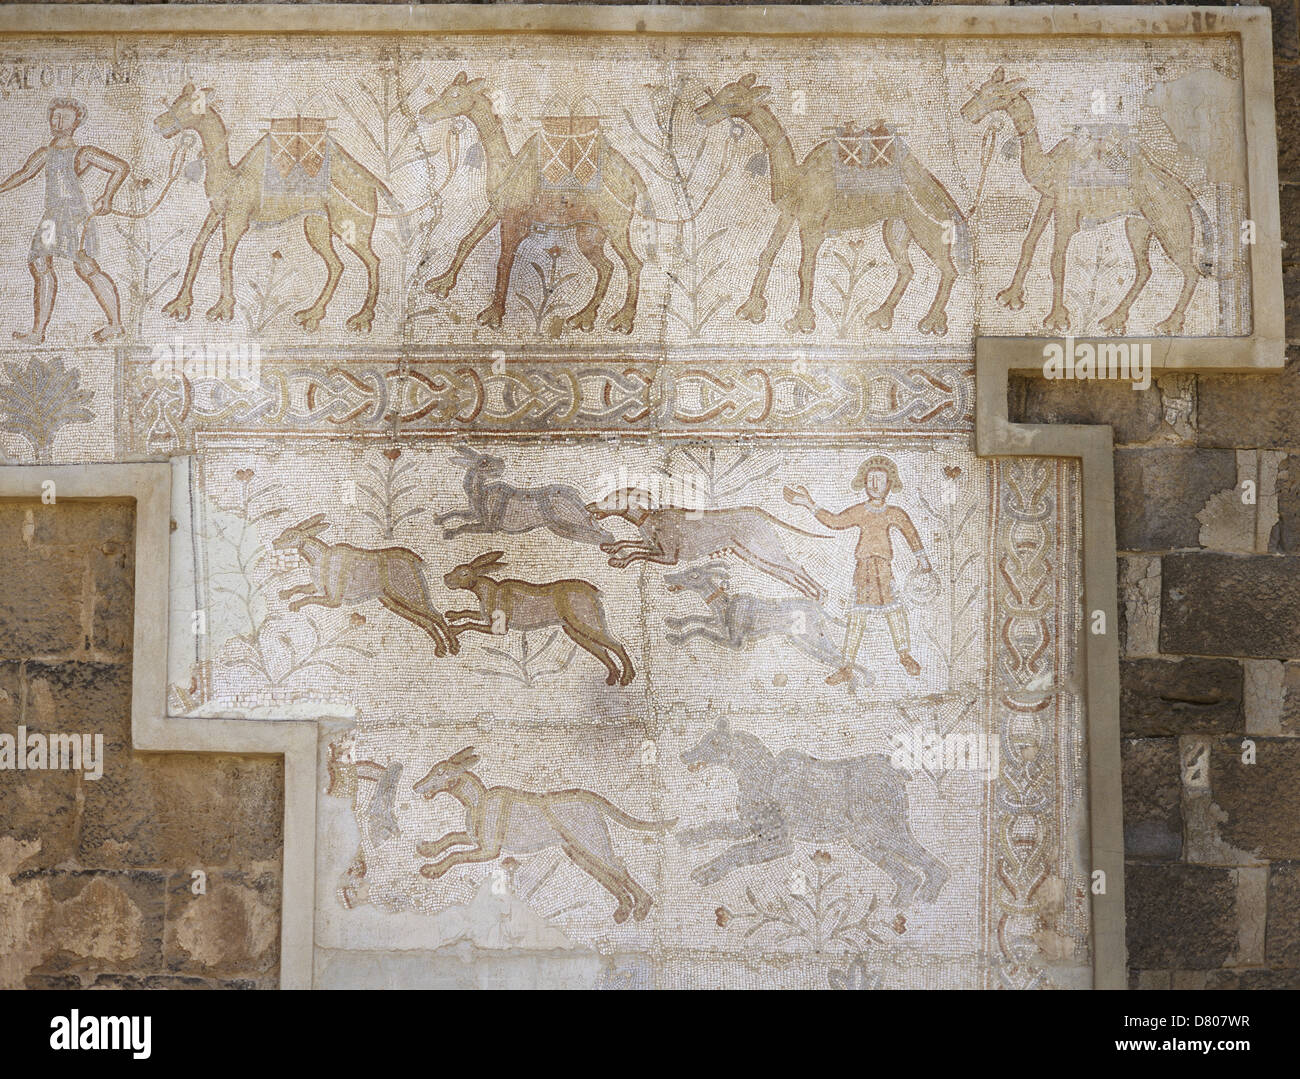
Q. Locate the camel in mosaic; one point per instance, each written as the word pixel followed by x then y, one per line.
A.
pixel 520 195
pixel 507 820
pixel 330 190
pixel 842 184
pixel 1083 183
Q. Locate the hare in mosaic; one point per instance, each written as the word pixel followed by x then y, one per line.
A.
pixel 502 507
pixel 295 170
pixel 737 620
pixel 673 534
pixel 343 575
pixel 851 182
pixel 564 178
pixel 1089 181
pixel 860 801
pixel 573 605
pixel 506 820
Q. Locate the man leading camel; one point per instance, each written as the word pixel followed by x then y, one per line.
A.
pixel 67 228
pixel 873 578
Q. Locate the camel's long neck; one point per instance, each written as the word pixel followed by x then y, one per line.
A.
pixel 218 171
pixel 1033 162
pixel 496 146
pixel 780 153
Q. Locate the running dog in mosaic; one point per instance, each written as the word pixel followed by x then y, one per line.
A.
pixel 671 535
pixel 738 620
pixel 572 605
pixel 343 575
pixel 861 801
pixel 507 820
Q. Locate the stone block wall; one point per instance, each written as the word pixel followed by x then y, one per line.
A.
pixel 1210 637
pixel 97 885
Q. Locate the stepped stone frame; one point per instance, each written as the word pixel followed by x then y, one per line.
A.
pixel 161 490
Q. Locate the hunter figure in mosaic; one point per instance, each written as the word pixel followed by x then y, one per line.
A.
pixel 1083 182
pixel 563 176
pixel 849 182
pixel 873 577
pixel 67 227
pixel 295 170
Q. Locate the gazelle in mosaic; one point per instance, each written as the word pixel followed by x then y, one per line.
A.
pixel 343 575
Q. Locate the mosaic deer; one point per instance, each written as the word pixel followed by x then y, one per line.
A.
pixel 345 206
pixel 508 604
pixel 1150 199
pixel 343 575
pixel 806 194
pixel 506 820
pixel 517 199
pixel 861 801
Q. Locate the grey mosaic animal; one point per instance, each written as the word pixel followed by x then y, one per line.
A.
pixel 737 619
pixel 673 534
pixel 343 575
pixel 790 796
pixel 502 507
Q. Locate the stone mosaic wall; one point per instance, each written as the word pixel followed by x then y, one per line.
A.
pixel 361 424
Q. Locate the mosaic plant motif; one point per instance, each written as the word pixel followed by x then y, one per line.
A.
pixel 580 431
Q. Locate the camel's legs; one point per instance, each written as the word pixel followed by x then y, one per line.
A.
pixel 232 231
pixel 1138 232
pixel 363 248
pixel 896 240
pixel 1058 318
pixel 513 230
pixel 811 237
pixel 322 242
pixel 179 308
pixel 1174 232
pixel 754 309
pixel 591 242
pixel 620 239
pixel 929 234
pixel 446 281
pixel 1013 296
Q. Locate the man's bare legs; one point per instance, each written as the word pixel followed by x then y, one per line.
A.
pixel 105 292
pixel 45 286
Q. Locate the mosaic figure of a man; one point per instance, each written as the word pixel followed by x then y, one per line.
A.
pixel 873 576
pixel 67 228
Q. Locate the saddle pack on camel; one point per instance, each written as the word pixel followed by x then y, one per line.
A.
pixel 868 158
pixel 570 152
pixel 297 160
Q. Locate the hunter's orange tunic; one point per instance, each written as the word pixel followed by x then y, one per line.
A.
pixel 874 576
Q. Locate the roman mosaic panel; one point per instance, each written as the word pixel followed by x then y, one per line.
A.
pixel 579 429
